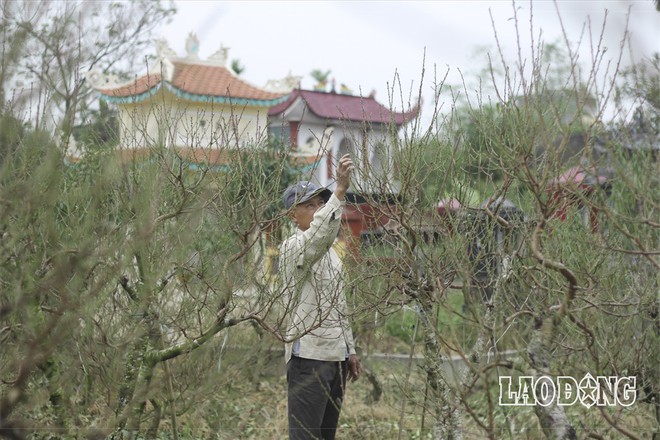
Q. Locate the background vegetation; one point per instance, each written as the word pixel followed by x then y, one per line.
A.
pixel 135 300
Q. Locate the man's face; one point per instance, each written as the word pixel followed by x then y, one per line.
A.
pixel 303 213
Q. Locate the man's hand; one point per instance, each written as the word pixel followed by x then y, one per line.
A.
pixel 354 367
pixel 344 169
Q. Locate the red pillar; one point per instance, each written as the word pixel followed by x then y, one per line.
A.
pixel 294 127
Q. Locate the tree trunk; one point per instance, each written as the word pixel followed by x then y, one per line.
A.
pixel 140 400
pixel 133 364
pixel 447 423
pixel 552 417
pixel 152 432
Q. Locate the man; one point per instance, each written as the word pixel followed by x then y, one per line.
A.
pixel 320 351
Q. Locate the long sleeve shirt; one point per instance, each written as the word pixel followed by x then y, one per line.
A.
pixel 313 282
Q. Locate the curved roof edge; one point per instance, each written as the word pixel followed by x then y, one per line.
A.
pixel 130 99
pixel 223 99
pixel 195 82
pixel 345 107
pixel 136 98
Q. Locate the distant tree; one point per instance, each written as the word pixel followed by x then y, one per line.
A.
pixel 52 44
pixel 237 67
pixel 101 129
pixel 555 100
pixel 640 87
pixel 321 78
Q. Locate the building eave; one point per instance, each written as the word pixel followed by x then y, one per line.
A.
pixel 228 100
pixel 223 99
pixel 131 99
pixel 373 113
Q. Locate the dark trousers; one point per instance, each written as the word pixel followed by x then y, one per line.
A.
pixel 316 391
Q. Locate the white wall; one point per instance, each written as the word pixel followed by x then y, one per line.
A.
pixel 183 124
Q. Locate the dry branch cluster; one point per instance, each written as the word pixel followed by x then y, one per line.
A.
pixel 119 280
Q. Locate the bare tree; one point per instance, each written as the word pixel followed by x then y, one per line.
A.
pixel 48 46
pixel 547 287
pixel 119 275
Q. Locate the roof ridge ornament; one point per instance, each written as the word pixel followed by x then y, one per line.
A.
pixel 220 56
pixel 284 85
pixel 163 49
pixel 192 46
pixel 162 64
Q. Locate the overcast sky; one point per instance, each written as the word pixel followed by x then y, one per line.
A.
pixel 365 43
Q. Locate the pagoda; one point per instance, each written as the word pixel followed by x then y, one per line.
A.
pixel 201 108
pixel 322 126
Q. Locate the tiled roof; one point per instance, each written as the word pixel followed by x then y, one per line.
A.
pixel 141 85
pixel 345 107
pixel 198 80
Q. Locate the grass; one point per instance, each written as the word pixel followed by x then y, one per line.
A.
pixel 246 397
pixel 254 407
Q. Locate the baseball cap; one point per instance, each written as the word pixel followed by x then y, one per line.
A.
pixel 303 191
